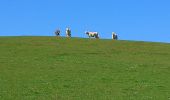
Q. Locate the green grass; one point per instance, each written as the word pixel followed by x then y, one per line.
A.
pixel 50 68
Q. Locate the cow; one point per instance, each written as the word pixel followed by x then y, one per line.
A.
pixel 93 34
pixel 114 36
pixel 68 32
pixel 57 32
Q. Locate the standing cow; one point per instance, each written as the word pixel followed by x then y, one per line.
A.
pixel 114 36
pixel 68 32
pixel 93 34
pixel 57 32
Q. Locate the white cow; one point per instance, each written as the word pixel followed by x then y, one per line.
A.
pixel 114 36
pixel 93 34
pixel 68 32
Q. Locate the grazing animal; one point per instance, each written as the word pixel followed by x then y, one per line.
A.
pixel 68 32
pixel 93 34
pixel 114 36
pixel 57 32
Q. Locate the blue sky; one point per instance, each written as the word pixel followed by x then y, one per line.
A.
pixel 142 20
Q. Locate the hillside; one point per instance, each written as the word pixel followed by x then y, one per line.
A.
pixel 50 68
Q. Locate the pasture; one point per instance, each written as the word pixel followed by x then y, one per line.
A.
pixel 50 68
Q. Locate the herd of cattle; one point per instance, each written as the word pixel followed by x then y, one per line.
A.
pixel 90 34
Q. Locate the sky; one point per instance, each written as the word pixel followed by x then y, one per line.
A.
pixel 141 20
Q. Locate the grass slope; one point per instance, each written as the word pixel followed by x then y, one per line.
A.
pixel 48 68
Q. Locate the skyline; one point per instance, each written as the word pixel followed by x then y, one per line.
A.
pixel 131 20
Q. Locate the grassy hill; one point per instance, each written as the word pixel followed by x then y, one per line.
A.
pixel 50 68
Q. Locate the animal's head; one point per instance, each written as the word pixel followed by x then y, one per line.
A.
pixel 86 32
pixel 113 33
pixel 67 28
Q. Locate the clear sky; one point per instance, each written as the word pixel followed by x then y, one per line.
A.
pixel 143 20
